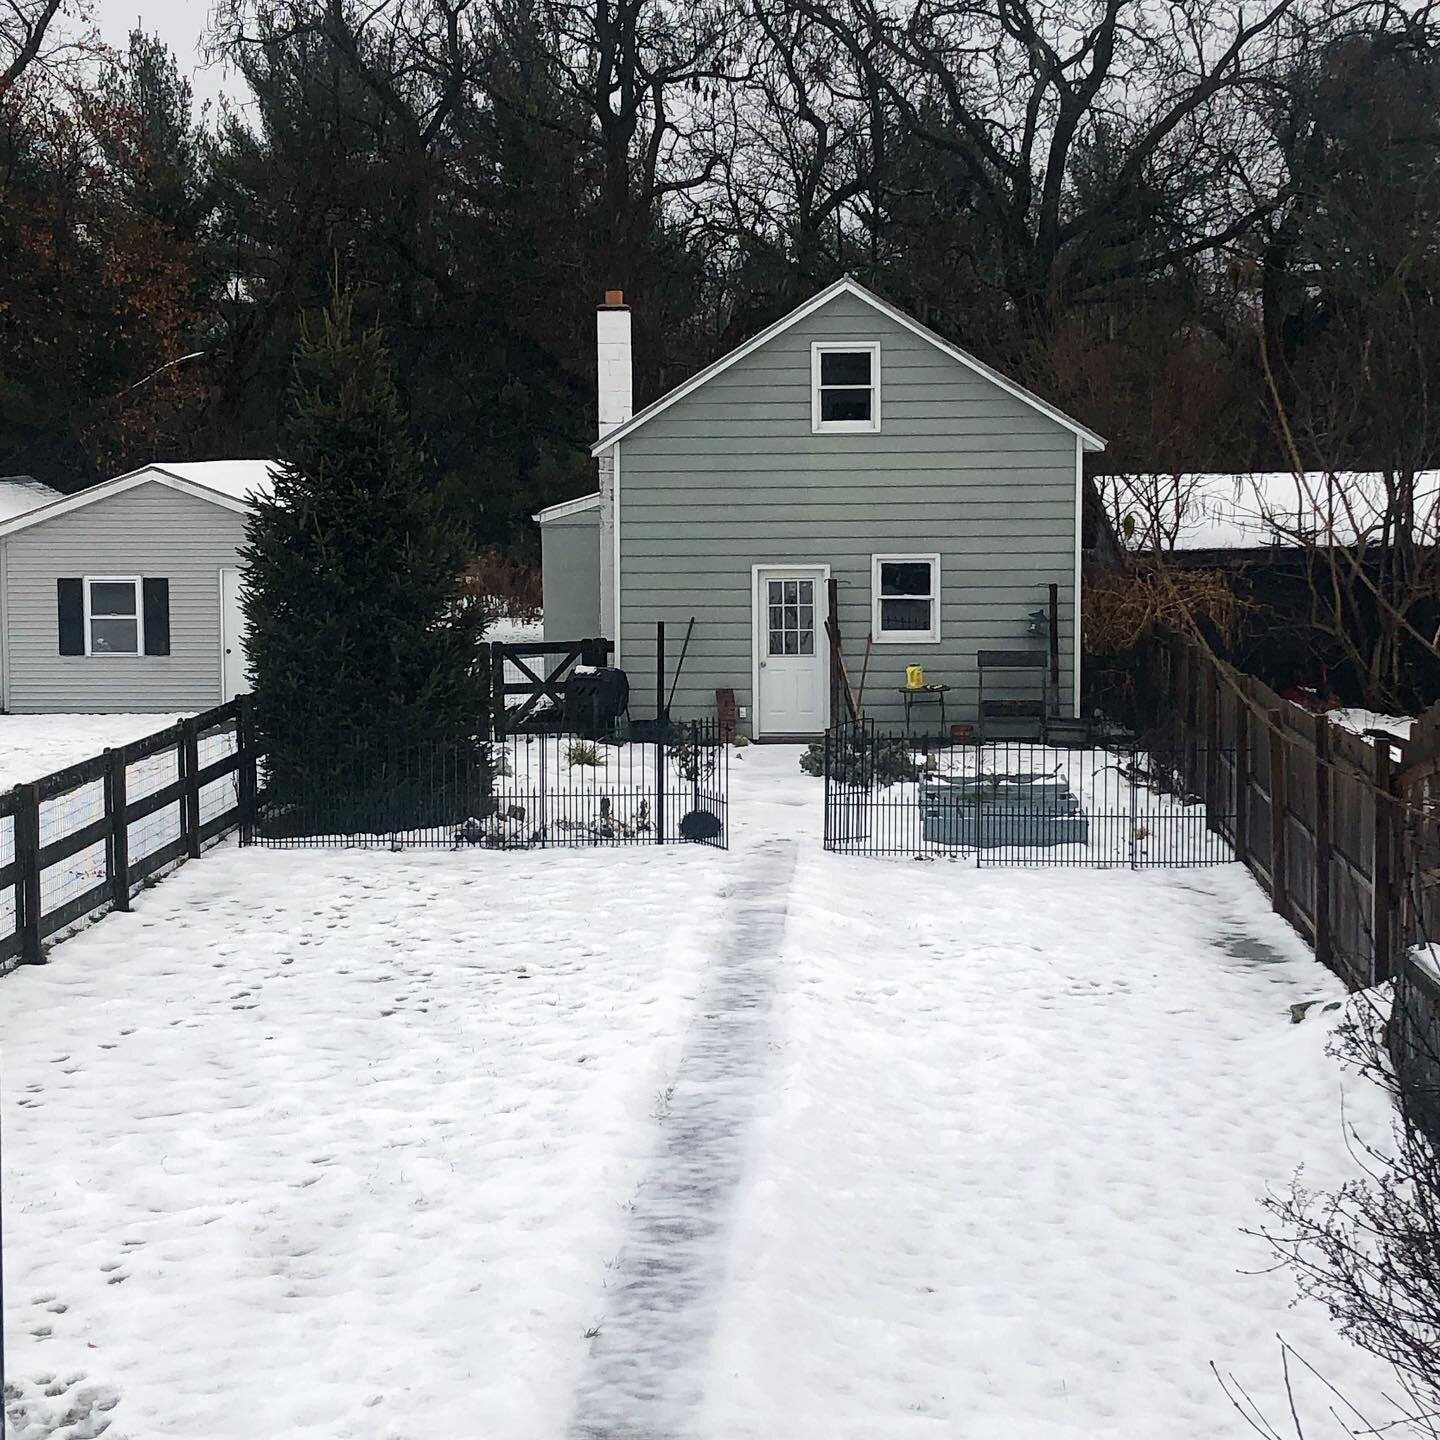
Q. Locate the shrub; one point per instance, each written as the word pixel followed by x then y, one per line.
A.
pixel 862 759
pixel 582 752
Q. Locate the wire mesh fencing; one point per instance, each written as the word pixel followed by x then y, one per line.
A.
pixel 78 841
pixel 1020 803
pixel 524 791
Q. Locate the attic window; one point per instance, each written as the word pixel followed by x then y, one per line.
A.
pixel 845 386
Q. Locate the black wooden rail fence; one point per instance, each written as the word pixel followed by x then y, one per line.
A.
pixel 81 840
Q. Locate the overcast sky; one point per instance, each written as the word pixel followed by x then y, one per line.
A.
pixel 179 23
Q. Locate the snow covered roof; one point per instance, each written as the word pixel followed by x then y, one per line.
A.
pixel 568 507
pixel 239 479
pixel 22 493
pixel 1261 510
pixel 231 484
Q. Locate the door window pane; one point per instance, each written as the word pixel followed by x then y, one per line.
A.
pixel 790 617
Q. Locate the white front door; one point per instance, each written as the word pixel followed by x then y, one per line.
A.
pixel 790 670
pixel 234 660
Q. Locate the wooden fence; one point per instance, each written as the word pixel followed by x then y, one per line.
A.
pixel 1332 824
pixel 81 841
pixel 513 674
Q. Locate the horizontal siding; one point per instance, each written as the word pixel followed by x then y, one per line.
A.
pixel 151 530
pixel 731 476
pixel 570 572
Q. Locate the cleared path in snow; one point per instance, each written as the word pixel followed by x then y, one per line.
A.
pixel 664 1295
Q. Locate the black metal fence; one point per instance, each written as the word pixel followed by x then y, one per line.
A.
pixel 520 791
pixel 1115 804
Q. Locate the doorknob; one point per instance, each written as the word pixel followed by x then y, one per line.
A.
pixel 762 664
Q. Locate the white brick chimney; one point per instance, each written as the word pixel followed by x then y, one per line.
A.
pixel 616 394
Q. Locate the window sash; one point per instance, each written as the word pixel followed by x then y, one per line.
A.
pixel 842 388
pixel 887 601
pixel 110 631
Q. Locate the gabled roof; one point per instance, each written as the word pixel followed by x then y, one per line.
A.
pixel 228 483
pixel 20 493
pixel 847 286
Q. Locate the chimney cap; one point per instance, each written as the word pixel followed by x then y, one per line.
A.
pixel 614 300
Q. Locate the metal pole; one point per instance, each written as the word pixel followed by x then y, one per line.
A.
pixel 660 727
pixel 1134 823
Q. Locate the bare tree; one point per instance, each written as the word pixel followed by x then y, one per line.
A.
pixel 1100 144
pixel 25 36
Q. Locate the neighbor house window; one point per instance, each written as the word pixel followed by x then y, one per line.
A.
pixel 114 615
pixel 845 388
pixel 905 596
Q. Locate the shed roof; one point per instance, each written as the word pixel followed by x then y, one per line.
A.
pixel 568 507
pixel 848 286
pixel 21 493
pixel 231 484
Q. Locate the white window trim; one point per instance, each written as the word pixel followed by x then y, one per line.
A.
pixel 844 427
pixel 906 637
pixel 135 580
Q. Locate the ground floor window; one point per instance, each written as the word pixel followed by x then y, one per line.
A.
pixel 905 598
pixel 114 615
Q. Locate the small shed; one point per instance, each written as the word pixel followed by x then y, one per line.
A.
pixel 570 568
pixel 126 597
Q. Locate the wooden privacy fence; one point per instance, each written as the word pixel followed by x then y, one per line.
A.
pixel 80 841
pixel 1326 819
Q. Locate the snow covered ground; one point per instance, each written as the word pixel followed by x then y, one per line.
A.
pixel 35 745
pixel 664 1142
pixel 1360 721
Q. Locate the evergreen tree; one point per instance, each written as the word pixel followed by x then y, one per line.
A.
pixel 364 651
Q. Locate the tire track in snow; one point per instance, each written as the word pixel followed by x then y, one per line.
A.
pixel 645 1371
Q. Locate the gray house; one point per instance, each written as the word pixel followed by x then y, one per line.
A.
pixel 848 442
pixel 126 596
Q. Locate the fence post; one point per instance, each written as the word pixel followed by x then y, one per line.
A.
pixel 27 873
pixel 487 666
pixel 117 851
pixel 248 774
pixel 1279 810
pixel 1323 940
pixel 1242 779
pixel 1212 743
pixel 661 724
pixel 190 786
pixel 497 690
pixel 1382 884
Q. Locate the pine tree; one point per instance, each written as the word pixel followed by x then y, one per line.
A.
pixel 363 650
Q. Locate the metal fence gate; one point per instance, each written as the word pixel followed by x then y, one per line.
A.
pixel 1022 803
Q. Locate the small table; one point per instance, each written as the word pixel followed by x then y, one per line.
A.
pixel 912 693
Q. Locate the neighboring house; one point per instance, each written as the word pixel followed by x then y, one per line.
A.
pixel 126 596
pixel 1209 518
pixel 847 442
